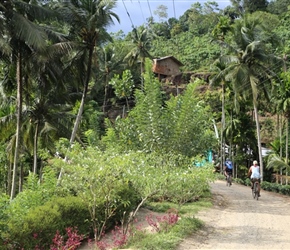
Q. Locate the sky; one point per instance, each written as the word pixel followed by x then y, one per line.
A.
pixel 140 10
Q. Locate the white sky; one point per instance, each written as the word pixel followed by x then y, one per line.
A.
pixel 140 10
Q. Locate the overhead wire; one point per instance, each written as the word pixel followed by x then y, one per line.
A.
pixel 141 11
pixel 174 9
pixel 149 9
pixel 128 14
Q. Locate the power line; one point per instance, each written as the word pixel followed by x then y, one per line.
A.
pixel 141 11
pixel 174 9
pixel 149 8
pixel 128 13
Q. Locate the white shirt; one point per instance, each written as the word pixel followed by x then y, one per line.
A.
pixel 255 172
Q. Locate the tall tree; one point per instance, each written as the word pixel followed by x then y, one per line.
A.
pixel 88 20
pixel 250 6
pixel 25 37
pixel 248 68
pixel 141 45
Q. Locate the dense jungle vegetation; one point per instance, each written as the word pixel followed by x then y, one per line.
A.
pixel 88 134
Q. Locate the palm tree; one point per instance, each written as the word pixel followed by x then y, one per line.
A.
pixel 277 163
pixel 248 66
pixel 141 44
pixel 110 63
pixel 88 20
pixel 24 37
pixel 219 32
pixel 283 105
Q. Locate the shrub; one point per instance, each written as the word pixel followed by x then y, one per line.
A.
pixel 266 186
pixel 42 223
pixel 71 242
pixel 248 182
pixel 285 189
pixel 4 203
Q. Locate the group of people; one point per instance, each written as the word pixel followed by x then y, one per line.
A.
pixel 253 173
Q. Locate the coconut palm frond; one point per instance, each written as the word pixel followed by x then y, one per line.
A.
pixel 276 163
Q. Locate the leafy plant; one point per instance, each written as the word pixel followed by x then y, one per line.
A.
pixel 72 241
pixel 124 86
pixel 40 224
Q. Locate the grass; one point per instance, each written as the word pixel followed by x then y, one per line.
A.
pixel 170 239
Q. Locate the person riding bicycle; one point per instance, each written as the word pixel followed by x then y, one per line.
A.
pixel 228 168
pixel 254 174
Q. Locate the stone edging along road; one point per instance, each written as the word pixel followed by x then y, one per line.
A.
pixel 237 221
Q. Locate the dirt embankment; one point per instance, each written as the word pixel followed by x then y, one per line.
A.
pixel 237 221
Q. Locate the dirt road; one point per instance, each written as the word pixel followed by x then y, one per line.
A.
pixel 237 221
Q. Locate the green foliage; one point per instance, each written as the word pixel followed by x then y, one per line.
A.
pixel 3 167
pixel 181 125
pixel 4 203
pixel 196 52
pixel 183 186
pixel 247 182
pixel 101 180
pixel 35 193
pixel 113 184
pixel 123 87
pixel 41 223
pixel 189 122
pixel 275 187
pixel 168 240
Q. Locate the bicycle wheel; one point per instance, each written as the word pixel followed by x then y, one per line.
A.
pixel 229 180
pixel 254 190
pixel 257 192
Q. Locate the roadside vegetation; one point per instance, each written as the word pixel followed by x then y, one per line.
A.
pixel 89 135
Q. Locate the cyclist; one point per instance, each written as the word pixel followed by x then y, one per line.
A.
pixel 228 168
pixel 254 174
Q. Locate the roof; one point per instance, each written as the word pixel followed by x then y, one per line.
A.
pixel 169 57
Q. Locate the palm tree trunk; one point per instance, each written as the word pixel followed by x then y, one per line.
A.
pixel 222 128
pixel 106 93
pixel 281 150
pixel 18 126
pixel 35 149
pixel 286 148
pixel 81 108
pixel 21 178
pixel 259 140
pixel 9 176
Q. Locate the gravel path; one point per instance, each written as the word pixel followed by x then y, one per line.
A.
pixel 237 221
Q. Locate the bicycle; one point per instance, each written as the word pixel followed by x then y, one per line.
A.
pixel 256 188
pixel 229 180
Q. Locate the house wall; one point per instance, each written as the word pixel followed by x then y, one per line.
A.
pixel 166 67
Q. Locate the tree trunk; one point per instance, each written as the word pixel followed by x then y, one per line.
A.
pixel 81 108
pixel 35 149
pixel 106 93
pixel 9 178
pixel 18 126
pixel 259 140
pixel 281 151
pixel 21 178
pixel 286 148
pixel 222 129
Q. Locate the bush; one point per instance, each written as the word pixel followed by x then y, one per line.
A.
pixel 276 187
pixel 4 203
pixel 42 223
pixel 266 186
pixel 239 181
pixel 247 182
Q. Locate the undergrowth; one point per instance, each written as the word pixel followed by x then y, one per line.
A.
pixel 171 237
